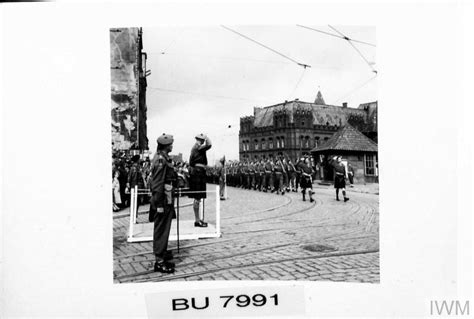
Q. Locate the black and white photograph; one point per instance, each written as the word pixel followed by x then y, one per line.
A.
pixel 245 153
pixel 229 159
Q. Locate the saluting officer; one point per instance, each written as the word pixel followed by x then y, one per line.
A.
pixel 161 205
pixel 198 163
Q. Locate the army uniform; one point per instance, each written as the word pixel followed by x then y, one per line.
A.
pixel 306 180
pixel 162 204
pixel 252 175
pixel 279 170
pixel 292 176
pixel 268 176
pixel 339 178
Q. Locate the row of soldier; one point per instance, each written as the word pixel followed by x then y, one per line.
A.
pixel 276 176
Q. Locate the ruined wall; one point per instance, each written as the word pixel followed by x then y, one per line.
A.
pixel 124 59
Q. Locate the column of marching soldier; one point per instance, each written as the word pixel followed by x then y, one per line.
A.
pixel 267 175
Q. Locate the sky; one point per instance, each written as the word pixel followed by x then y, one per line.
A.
pixel 203 79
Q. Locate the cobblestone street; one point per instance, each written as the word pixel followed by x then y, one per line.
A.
pixel 268 236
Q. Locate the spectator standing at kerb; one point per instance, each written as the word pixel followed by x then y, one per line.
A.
pixel 197 183
pixel 117 200
pixel 222 178
pixel 306 179
pixel 162 203
pixel 339 176
pixel 135 177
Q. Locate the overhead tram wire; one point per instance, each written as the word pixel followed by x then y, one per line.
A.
pixel 205 94
pixel 355 48
pixel 298 83
pixel 335 35
pixel 267 47
pixel 356 89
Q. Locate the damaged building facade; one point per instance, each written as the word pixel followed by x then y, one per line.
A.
pixel 294 128
pixel 128 90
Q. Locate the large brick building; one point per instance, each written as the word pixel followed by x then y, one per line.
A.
pixel 293 128
pixel 128 90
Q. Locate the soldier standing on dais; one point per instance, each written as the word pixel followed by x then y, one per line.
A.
pixel 197 183
pixel 162 202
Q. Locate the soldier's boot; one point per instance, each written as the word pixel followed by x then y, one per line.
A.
pixel 164 267
pixel 337 193
pixel 311 196
pixel 345 198
pixel 304 195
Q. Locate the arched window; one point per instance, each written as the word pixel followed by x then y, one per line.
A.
pixel 301 140
pixel 316 141
pixel 278 142
pixel 306 142
pixel 270 143
pixel 282 142
pixel 255 144
pixel 264 146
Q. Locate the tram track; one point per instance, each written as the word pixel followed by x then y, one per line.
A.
pixel 208 271
pixel 354 225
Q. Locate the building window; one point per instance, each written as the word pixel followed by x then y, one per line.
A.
pixel 256 145
pixel 270 143
pixel 316 141
pixel 306 142
pixel 282 142
pixel 370 165
pixel 264 146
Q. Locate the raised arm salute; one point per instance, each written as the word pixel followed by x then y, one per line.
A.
pixel 197 183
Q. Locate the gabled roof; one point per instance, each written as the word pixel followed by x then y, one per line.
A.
pixel 319 99
pixel 322 114
pixel 347 138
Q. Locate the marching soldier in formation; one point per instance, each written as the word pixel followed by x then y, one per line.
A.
pixel 278 181
pixel 268 185
pixel 339 176
pixel 162 203
pixel 306 179
pixel 292 176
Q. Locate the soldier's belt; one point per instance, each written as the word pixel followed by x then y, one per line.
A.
pixel 306 174
pixel 200 165
pixel 339 173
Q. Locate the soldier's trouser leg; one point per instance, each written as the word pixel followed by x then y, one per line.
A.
pixel 264 182
pixel 161 233
pixel 196 205
pixel 292 181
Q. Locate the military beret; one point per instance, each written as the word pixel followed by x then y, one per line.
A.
pixel 201 136
pixel 165 139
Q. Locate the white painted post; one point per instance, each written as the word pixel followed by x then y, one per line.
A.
pixel 218 212
pixel 135 201
pixel 130 228
pixel 201 208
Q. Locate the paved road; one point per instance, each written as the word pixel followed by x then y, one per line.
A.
pixel 269 236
